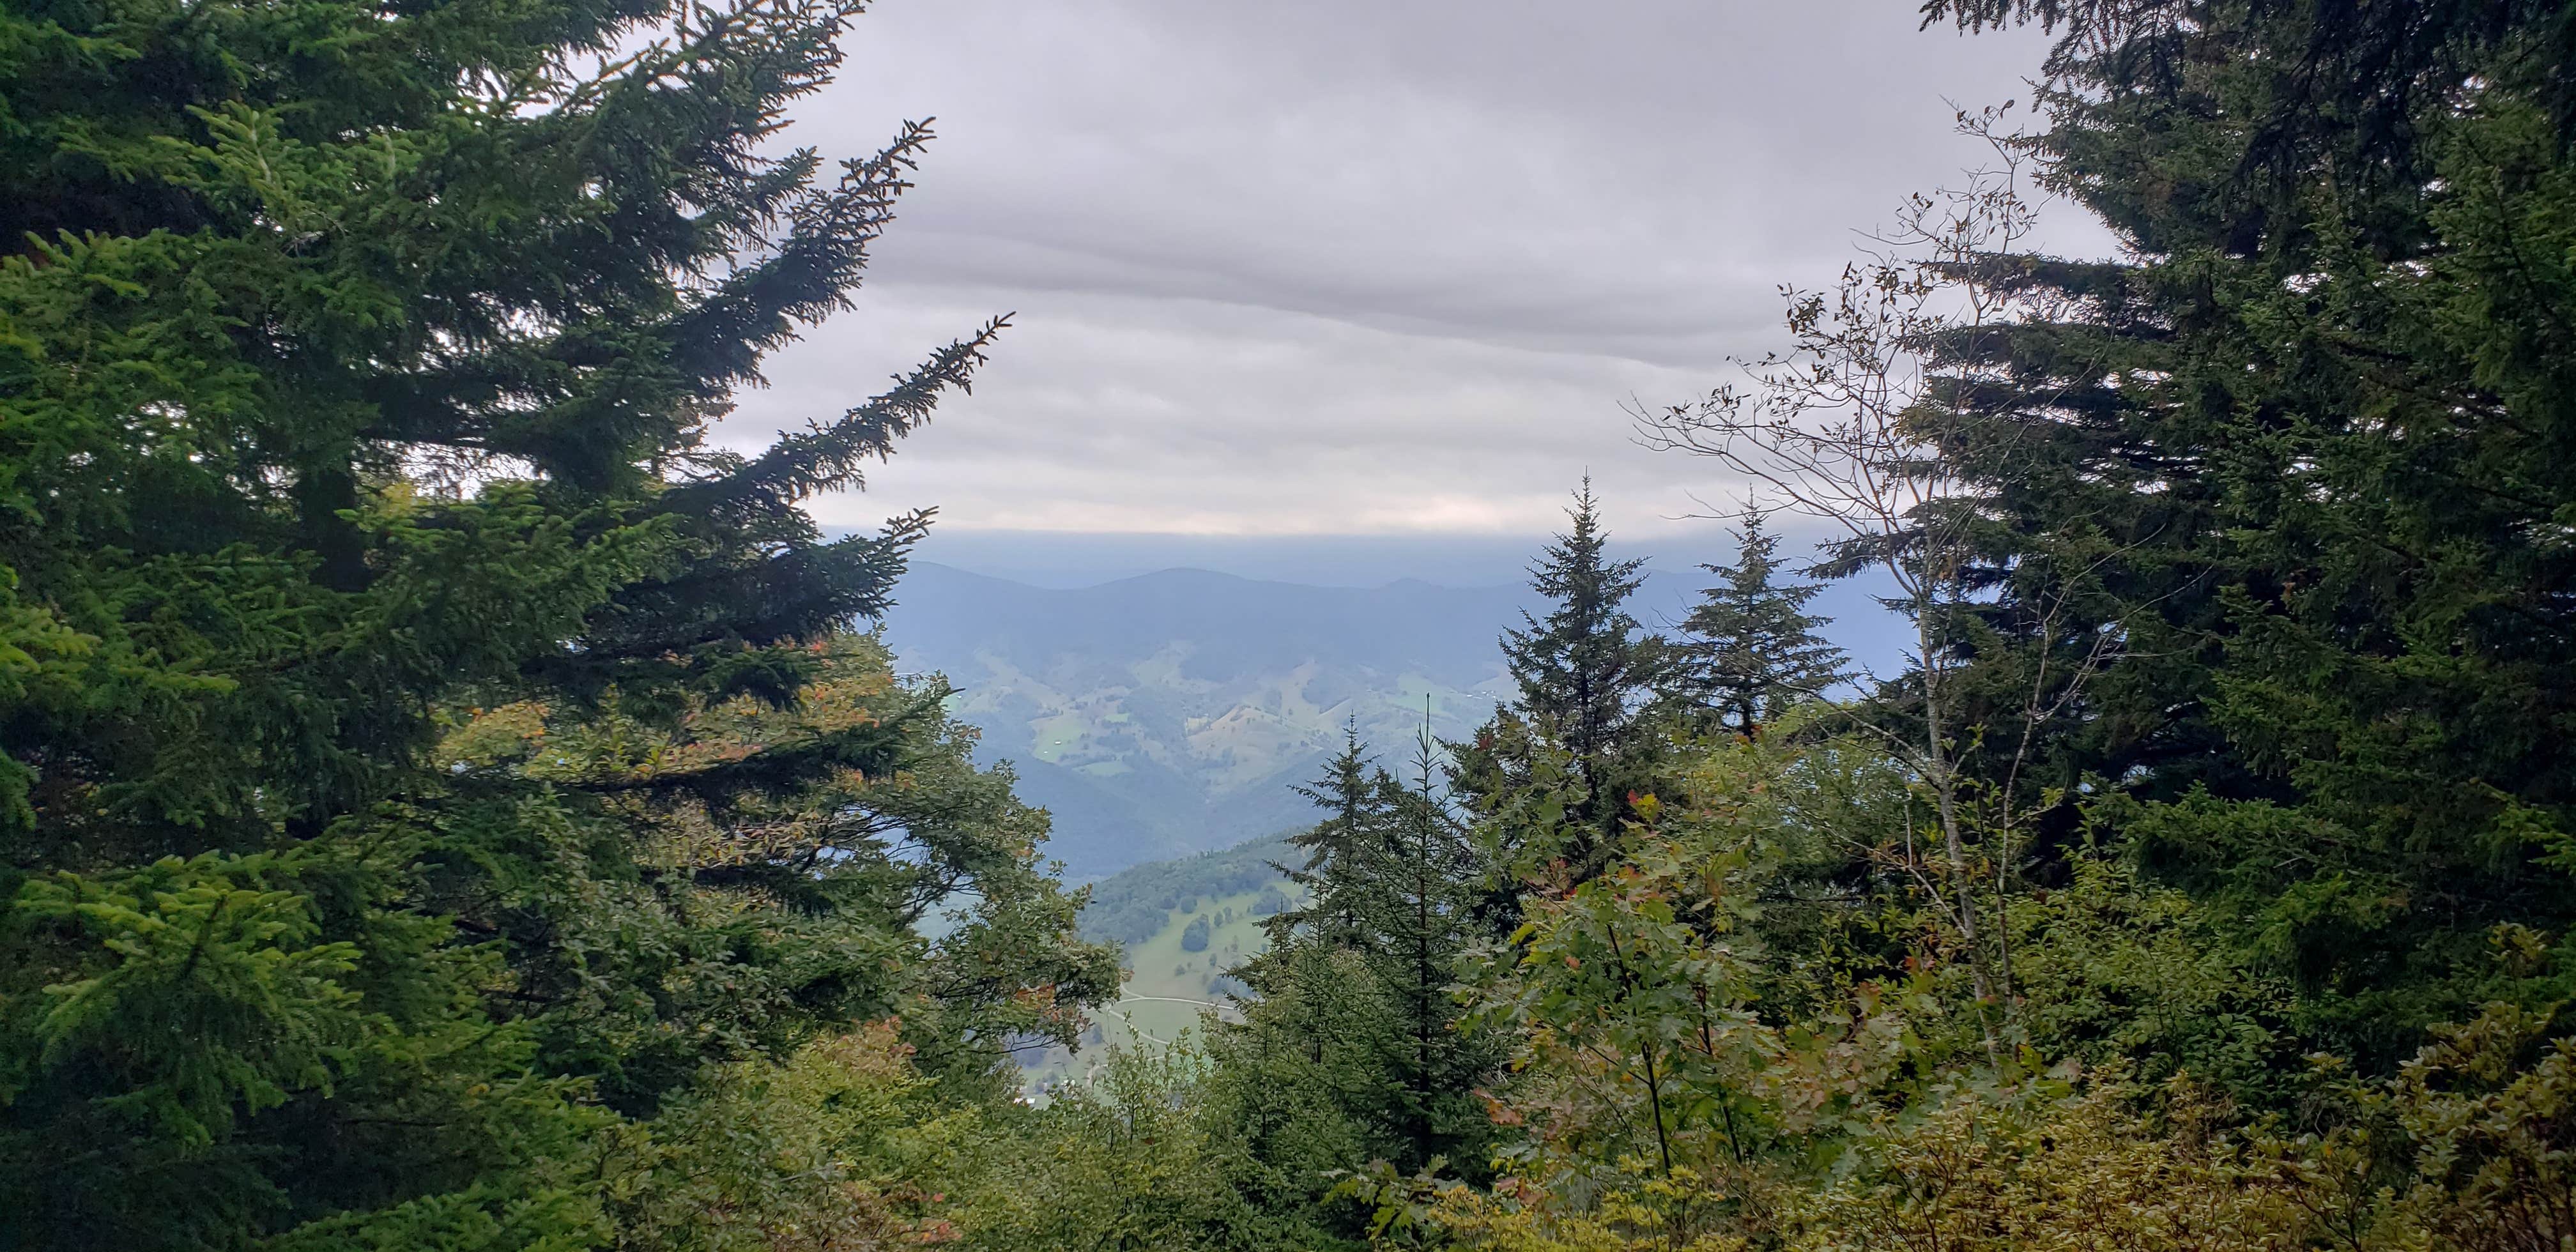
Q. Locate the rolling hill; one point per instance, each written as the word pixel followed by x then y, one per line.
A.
pixel 1172 713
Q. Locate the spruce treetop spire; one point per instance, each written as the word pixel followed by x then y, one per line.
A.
pixel 1586 670
pixel 1577 667
pixel 1750 647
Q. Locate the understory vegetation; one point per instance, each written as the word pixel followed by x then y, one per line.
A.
pixel 450 802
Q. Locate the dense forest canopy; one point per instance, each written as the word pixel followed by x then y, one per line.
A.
pixel 451 803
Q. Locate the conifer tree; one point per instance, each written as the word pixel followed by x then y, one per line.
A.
pixel 1431 884
pixel 2308 441
pixel 1581 669
pixel 1586 674
pixel 1349 1043
pixel 1341 851
pixel 357 372
pixel 1750 648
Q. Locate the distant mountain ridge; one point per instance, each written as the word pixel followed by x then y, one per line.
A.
pixel 1169 713
pixel 1174 712
pixel 1234 622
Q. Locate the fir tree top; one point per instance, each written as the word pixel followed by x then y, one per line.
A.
pixel 1751 648
pixel 1341 850
pixel 1580 668
pixel 1587 673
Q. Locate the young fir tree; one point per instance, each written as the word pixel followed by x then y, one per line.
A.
pixel 1431 885
pixel 357 365
pixel 1586 673
pixel 1341 851
pixel 1750 648
pixel 1348 1050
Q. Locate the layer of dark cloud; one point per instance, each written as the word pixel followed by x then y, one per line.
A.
pixel 1351 267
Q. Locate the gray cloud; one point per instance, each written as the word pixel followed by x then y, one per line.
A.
pixel 1352 267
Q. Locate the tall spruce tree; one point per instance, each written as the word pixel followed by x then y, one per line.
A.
pixel 1580 670
pixel 1586 673
pixel 357 365
pixel 2318 433
pixel 1749 649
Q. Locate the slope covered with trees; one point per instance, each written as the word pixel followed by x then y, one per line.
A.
pixel 447 807
pixel 1133 905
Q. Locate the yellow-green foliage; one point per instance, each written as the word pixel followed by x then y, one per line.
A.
pixel 1682 1082
pixel 2480 1161
pixel 846 1145
pixel 1122 1161
pixel 839 1147
pixel 2070 1174
pixel 2490 1110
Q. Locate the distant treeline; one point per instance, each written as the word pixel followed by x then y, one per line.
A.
pixel 1131 907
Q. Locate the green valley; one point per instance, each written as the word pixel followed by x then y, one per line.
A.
pixel 1184 925
pixel 1173 713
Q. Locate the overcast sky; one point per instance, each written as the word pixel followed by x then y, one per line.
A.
pixel 1354 266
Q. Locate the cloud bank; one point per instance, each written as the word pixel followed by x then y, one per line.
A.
pixel 1353 267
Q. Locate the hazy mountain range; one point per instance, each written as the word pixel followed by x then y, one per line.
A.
pixel 1168 713
pixel 1172 713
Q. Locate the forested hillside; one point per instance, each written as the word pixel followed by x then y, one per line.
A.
pixel 1184 928
pixel 452 800
pixel 1133 905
